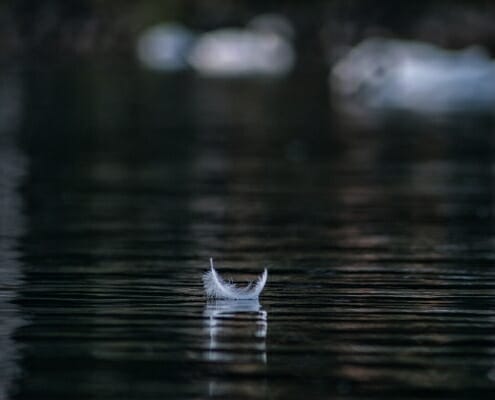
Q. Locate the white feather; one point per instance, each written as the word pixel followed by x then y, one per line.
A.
pixel 216 287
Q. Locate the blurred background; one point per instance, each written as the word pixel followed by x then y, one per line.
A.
pixel 104 27
pixel 348 146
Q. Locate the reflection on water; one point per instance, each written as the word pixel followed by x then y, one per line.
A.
pixel 12 226
pixel 228 320
pixel 237 331
pixel 380 244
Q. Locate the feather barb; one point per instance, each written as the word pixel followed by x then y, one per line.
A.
pixel 216 287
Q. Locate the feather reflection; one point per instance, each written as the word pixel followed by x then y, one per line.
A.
pixel 237 331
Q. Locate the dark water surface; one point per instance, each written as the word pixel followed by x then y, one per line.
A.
pixel 117 186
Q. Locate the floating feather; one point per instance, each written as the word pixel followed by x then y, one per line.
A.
pixel 218 288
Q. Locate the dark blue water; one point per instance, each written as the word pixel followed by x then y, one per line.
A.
pixel 117 186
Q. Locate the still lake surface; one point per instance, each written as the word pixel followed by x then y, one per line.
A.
pixel 117 186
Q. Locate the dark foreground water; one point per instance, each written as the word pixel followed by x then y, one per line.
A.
pixel 117 186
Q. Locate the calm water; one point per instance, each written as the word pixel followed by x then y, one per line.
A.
pixel 117 186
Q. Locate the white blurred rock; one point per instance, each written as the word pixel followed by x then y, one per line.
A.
pixel 164 47
pixel 387 74
pixel 262 49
